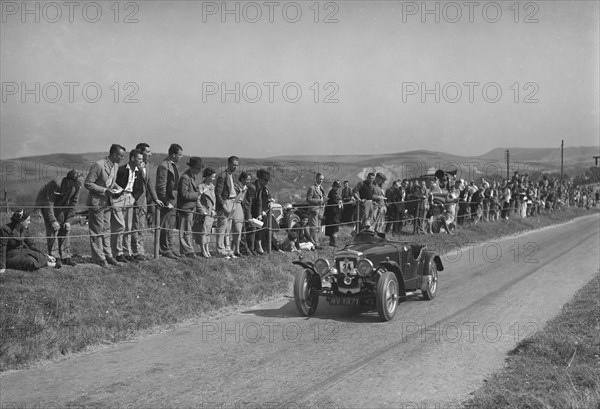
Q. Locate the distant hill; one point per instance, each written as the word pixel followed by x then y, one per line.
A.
pixel 291 175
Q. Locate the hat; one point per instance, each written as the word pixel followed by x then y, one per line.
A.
pixel 19 216
pixel 74 174
pixel 381 176
pixel 195 162
pixel 263 174
pixel 336 183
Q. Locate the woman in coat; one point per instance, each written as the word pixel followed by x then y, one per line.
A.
pixel 206 209
pixel 17 251
pixel 333 212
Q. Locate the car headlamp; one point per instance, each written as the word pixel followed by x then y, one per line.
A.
pixel 322 266
pixel 364 267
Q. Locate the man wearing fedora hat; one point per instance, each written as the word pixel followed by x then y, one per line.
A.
pixel 187 197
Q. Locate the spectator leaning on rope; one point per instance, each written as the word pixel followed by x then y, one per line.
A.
pixel 57 204
pixel 167 180
pixel 102 187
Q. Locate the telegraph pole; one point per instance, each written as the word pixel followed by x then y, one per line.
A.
pixel 562 145
pixel 507 164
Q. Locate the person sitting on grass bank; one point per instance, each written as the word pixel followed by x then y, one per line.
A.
pixel 17 251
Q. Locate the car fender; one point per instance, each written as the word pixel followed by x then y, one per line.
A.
pixel 395 268
pixel 308 265
pixel 431 256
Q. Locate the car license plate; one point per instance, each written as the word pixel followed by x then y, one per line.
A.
pixel 343 301
pixel 347 266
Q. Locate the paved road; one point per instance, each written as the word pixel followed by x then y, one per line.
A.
pixel 433 353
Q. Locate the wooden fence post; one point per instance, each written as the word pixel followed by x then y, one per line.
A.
pixel 156 232
pixel 268 225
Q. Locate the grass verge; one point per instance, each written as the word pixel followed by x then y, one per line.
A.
pixel 50 313
pixel 558 367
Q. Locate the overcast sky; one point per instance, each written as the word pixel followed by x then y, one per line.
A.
pixel 164 69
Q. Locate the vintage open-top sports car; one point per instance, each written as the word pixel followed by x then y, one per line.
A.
pixel 371 271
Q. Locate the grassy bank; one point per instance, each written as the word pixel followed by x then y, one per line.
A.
pixel 51 313
pixel 558 367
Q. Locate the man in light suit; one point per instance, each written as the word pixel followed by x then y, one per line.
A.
pixel 225 194
pixel 167 180
pixel 315 197
pixel 129 178
pixel 145 205
pixel 102 186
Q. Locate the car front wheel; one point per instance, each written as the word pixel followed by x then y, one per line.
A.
pixel 431 289
pixel 305 296
pixel 386 298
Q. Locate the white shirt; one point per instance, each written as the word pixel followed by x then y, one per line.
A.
pixel 131 179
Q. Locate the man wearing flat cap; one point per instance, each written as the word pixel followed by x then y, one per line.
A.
pixel 187 197
pixel 57 204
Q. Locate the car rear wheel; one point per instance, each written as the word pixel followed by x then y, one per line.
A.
pixel 305 296
pixel 386 297
pixel 431 290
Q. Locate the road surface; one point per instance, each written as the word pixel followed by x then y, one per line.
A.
pixel 431 355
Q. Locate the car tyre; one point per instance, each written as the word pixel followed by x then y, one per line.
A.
pixel 429 293
pixel 306 298
pixel 387 295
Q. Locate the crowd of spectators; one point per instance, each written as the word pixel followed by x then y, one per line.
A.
pixel 123 200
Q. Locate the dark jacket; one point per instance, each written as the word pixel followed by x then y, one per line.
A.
pixel 248 202
pixel 222 192
pixel 57 204
pixel 11 240
pixel 187 192
pixel 138 183
pixel 149 194
pixel 260 203
pixel 167 180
